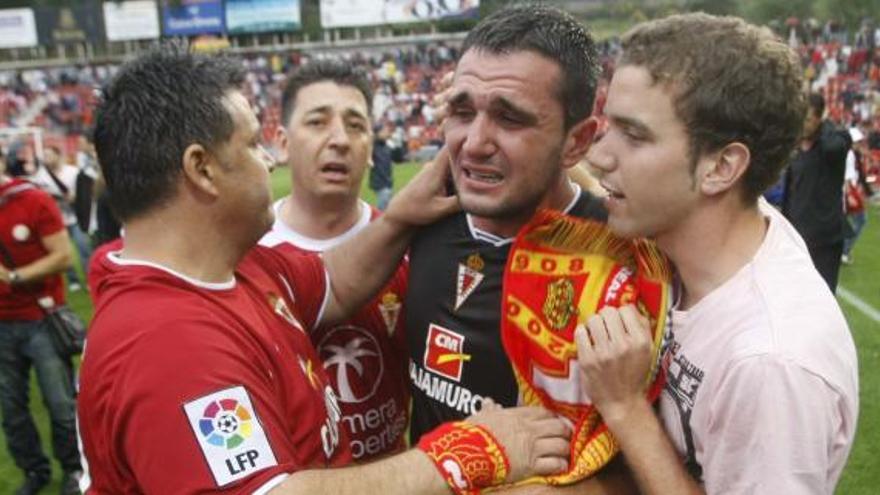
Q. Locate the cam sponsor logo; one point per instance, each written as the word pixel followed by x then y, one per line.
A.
pixel 353 360
pixel 229 434
pixel 444 352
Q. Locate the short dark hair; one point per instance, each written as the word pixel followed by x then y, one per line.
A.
pixel 731 82
pixel 150 112
pixel 343 74
pixel 554 34
pixel 816 103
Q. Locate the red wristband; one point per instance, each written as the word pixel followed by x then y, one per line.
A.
pixel 467 456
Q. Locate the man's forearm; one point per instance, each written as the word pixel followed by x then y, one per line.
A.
pixel 360 267
pixel 410 473
pixel 52 263
pixel 613 479
pixel 650 455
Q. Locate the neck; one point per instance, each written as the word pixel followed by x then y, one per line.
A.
pixel 320 218
pixel 187 244
pixel 560 196
pixel 712 245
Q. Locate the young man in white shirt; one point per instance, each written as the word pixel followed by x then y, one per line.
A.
pixel 762 381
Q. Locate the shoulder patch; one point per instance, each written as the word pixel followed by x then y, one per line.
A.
pixel 230 435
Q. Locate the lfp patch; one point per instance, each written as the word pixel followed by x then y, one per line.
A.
pixel 229 434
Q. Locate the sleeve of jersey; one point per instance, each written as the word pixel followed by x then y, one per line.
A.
pixel 47 216
pixel 200 416
pixel 772 429
pixel 305 280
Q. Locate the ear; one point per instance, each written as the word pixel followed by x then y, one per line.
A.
pixel 724 169
pixel 280 142
pixel 199 169
pixel 578 141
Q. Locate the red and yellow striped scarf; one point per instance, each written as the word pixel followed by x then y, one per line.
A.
pixel 561 270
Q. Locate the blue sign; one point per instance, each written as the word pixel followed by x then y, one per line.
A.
pixel 193 17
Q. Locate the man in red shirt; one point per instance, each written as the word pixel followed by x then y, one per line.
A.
pixel 198 375
pixel 35 250
pixel 326 139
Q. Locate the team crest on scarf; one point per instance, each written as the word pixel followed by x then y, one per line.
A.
pixel 389 307
pixel 559 305
pixel 560 271
pixel 470 274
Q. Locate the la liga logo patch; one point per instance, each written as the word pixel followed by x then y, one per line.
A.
pixel 227 429
pixel 226 423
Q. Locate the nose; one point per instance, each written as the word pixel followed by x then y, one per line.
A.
pixel 338 134
pixel 600 157
pixel 479 141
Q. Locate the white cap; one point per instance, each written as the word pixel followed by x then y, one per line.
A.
pixel 856 134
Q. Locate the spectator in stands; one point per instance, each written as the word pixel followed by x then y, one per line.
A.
pixel 813 200
pixel 34 250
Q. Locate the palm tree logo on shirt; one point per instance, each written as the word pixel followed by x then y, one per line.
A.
pixel 358 361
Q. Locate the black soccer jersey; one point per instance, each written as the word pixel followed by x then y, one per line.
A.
pixel 453 318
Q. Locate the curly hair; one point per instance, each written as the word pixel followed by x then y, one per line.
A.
pixel 731 82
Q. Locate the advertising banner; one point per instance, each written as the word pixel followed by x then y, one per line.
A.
pixel 192 17
pixel 18 28
pixel 131 20
pixel 347 13
pixel 77 24
pixel 260 16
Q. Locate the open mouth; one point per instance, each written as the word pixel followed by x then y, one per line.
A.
pixel 335 170
pixel 612 193
pixel 484 176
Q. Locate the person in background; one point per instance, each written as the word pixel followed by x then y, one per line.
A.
pixel 34 251
pixel 813 199
pixel 381 176
pixel 59 180
pixel 855 193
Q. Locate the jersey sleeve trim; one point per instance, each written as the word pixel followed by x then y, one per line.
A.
pixel 325 302
pixel 272 483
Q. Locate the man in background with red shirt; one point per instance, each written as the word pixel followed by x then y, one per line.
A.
pixel 326 140
pixel 35 250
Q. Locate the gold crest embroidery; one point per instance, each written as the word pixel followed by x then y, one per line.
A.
pixel 559 306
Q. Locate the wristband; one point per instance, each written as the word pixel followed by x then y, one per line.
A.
pixel 467 456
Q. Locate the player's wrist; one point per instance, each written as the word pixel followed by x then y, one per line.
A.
pixel 620 415
pixel 12 277
pixel 467 456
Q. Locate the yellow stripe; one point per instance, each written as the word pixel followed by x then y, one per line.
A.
pixel 448 358
pixel 559 348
